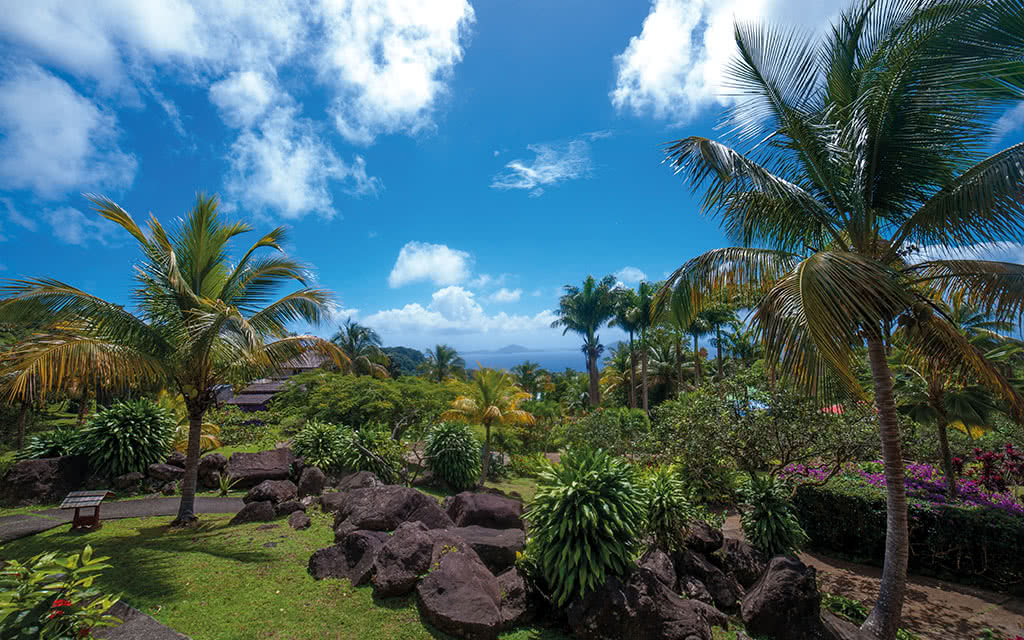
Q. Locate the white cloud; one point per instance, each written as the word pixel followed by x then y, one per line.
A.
pixel 53 140
pixel 504 295
pixel 283 166
pixel 1010 121
pixel 337 314
pixel 995 251
pixel 630 275
pixel 421 261
pixel 243 97
pixel 371 234
pixel 71 226
pixel 536 293
pixel 16 216
pixel 676 65
pixel 389 61
pixel 553 163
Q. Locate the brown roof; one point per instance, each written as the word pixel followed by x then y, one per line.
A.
pixel 250 398
pixel 263 387
pixel 308 360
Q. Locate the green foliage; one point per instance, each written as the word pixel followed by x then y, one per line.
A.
pixel 585 521
pixel 615 430
pixel 453 455
pixel 59 441
pixel 966 544
pixel 497 470
pixel 856 612
pixel 528 465
pixel 404 360
pixel 371 448
pixel 669 509
pixel 239 428
pixel 319 444
pixel 227 483
pixel 129 436
pixel 52 598
pixel 769 521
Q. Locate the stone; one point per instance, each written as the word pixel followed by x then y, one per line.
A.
pixel 30 481
pixel 333 501
pixel 660 564
pixel 639 605
pixel 289 507
pixel 359 480
pixel 177 459
pixel 460 596
pixel 135 625
pixel 311 482
pixel 131 480
pixel 497 548
pixel 211 480
pixel 485 510
pixel 383 509
pixel 742 561
pixel 703 538
pixel 402 560
pixel 299 520
pixel 165 472
pixel 724 589
pixel 250 469
pixel 329 562
pixel 695 590
pixel 169 489
pixel 520 602
pixel 210 468
pixel 838 629
pixel 784 604
pixel 262 511
pixel 275 491
pixel 361 549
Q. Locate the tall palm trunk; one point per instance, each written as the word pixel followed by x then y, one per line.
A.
pixel 938 403
pixel 19 436
pixel 718 350
pixel 643 376
pixel 632 373
pixel 186 508
pixel 595 390
pixel 83 404
pixel 884 620
pixel 487 452
pixel 697 373
pixel 679 363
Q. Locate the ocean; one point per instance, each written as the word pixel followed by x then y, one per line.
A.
pixel 550 360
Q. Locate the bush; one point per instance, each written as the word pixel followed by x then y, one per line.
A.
pixel 239 427
pixel 585 521
pixel 129 436
pixel 967 544
pixel 453 455
pixel 528 465
pixel 61 441
pixel 614 430
pixel 669 510
pixel 52 597
pixel 319 444
pixel 371 448
pixel 769 522
pixel 497 470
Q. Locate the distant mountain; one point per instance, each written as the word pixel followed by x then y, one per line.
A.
pixel 404 360
pixel 513 348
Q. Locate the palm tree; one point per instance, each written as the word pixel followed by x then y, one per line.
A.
pixel 495 400
pixel 583 311
pixel 628 318
pixel 443 363
pixel 643 320
pixel 845 152
pixel 530 377
pixel 717 316
pixel 741 343
pixel 199 320
pixel 361 345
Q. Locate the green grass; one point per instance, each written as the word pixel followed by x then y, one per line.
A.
pixel 218 582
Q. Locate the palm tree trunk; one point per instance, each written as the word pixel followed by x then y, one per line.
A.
pixel 83 404
pixel 718 350
pixel 595 390
pixel 884 620
pixel 19 436
pixel 643 376
pixel 697 374
pixel 632 373
pixel 186 508
pixel 679 363
pixel 487 453
pixel 947 459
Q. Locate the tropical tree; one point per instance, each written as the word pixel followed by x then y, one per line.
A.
pixel 199 320
pixel 583 311
pixel 494 399
pixel 628 318
pixel 741 343
pixel 715 317
pixel 174 404
pixel 531 377
pixel 361 346
pixel 644 312
pixel 443 363
pixel 845 152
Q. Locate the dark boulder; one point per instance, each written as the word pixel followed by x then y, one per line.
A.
pixel 639 605
pixel 311 482
pixel 784 604
pixel 211 480
pixel 329 562
pixel 383 509
pixel 289 507
pixel 724 589
pixel 703 538
pixel 485 510
pixel 460 596
pixel 660 564
pixel 497 548
pixel 742 561
pixel 333 501
pixel 361 549
pixel 838 629
pixel 210 468
pixel 169 489
pixel 404 557
pixel 177 459
pixel 359 480
pixel 299 520
pixel 165 472
pixel 694 589
pixel 48 478
pixel 275 491
pixel 262 511
pixel 520 602
pixel 250 469
pixel 131 480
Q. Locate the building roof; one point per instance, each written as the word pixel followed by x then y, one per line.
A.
pixel 251 398
pixel 308 360
pixel 263 387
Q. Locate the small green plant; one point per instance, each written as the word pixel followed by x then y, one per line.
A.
pixel 319 444
pixel 52 598
pixel 769 521
pixel 371 448
pixel 60 441
pixel 586 521
pixel 857 612
pixel 453 455
pixel 669 509
pixel 129 436
pixel 227 483
pixel 528 465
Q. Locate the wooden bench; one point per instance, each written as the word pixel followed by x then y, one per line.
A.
pixel 79 500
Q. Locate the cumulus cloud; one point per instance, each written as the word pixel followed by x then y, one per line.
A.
pixel 436 263
pixel 1010 121
pixel 995 251
pixel 552 163
pixel 504 295
pixel 675 66
pixel 53 140
pixel 630 275
pixel 242 97
pixel 71 226
pixel 16 216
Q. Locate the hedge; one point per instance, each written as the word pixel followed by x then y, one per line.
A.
pixel 973 545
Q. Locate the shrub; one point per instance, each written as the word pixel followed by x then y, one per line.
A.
pixel 52 597
pixel 528 465
pixel 319 444
pixel 129 436
pixel 769 521
pixel 61 441
pixel 668 507
pixel 239 427
pixel 614 430
pixel 585 521
pixel 497 470
pixel 371 448
pixel 453 455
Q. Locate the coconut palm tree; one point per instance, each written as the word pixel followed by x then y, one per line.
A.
pixel 443 363
pixel 583 311
pixel 628 318
pixel 530 377
pixel 361 345
pixel 494 399
pixel 846 151
pixel 643 312
pixel 198 320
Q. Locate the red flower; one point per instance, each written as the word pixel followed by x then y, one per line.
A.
pixel 85 632
pixel 54 614
pixel 60 602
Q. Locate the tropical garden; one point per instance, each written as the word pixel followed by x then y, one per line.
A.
pixel 844 380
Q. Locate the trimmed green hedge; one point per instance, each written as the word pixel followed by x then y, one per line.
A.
pixel 971 545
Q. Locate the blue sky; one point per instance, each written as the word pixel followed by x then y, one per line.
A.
pixel 446 167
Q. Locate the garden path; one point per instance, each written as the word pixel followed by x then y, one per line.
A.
pixel 934 609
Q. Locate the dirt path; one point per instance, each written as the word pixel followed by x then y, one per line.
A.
pixel 934 609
